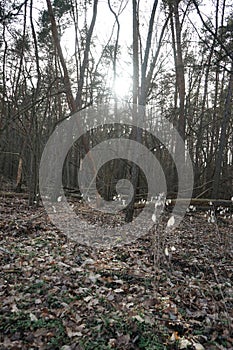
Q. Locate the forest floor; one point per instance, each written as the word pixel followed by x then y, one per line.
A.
pixel 55 294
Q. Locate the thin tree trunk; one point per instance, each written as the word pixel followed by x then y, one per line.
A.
pixel 223 138
pixel 69 94
pixel 200 128
pixel 135 132
pixel 179 86
pixel 35 152
pixel 85 57
pixel 179 73
pixel 139 98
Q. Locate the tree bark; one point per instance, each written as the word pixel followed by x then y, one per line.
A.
pixel 139 98
pixel 69 94
pixel 85 57
pixel 135 131
pixel 75 104
pixel 223 138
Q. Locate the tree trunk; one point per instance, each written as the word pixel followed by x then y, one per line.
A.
pixel 223 139
pixel 74 104
pixel 180 80
pixel 139 98
pixel 135 132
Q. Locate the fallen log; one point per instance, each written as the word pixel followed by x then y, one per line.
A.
pixel 12 194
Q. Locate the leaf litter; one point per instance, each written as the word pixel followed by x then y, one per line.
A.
pixel 56 294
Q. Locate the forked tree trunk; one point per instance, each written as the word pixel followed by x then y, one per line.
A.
pixel 75 104
pixel 139 98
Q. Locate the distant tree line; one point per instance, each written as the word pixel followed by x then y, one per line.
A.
pixel 181 70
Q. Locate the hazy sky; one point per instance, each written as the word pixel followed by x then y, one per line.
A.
pixel 105 24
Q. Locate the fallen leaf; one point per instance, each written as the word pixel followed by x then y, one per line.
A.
pixel 33 317
pixel 88 298
pixel 184 343
pixel 138 318
pixel 198 346
pixel 72 333
pixel 118 290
